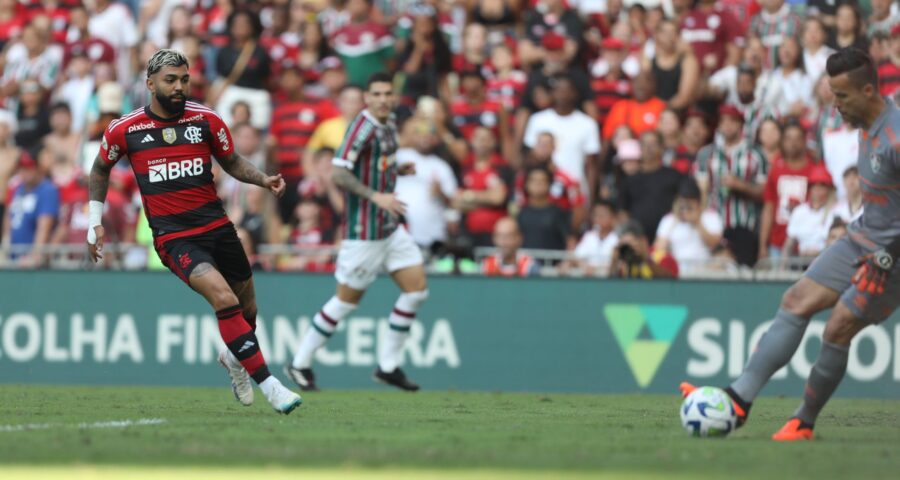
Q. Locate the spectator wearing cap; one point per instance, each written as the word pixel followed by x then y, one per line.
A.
pixel 554 63
pixel 773 25
pixel 473 108
pixel 31 214
pixel 786 187
pixel 594 251
pixel 674 67
pixel 714 34
pixel 576 133
pixel 881 19
pixel 628 157
pixel 640 113
pixel 294 121
pixel 732 175
pixel 243 68
pixel 364 45
pixel 428 192
pixel 807 229
pixel 33 120
pixel 609 82
pixel 112 22
pixel 565 191
pixel 815 52
pixel 889 71
pixel 633 257
pixel 550 16
pixel 426 59
pixel 483 196
pixel 508 261
pixel 690 232
pixel 647 196
pixel 786 90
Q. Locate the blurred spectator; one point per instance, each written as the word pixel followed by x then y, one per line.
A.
pixel 670 128
pixel 243 67
pixel 826 10
pixel 565 191
pixel 690 232
pixel 609 81
pixel 633 257
pixel 849 31
pixel 294 120
pixel 33 120
pixel 473 109
pixel 497 15
pixel 80 42
pixel 506 84
pixel 317 184
pixel 308 235
pixel 77 88
pixel 639 114
pixel 9 160
pixel 31 215
pixel 157 17
pixel 692 136
pixel 850 208
pixel 714 34
pixel 550 18
pixel 674 67
pixel 508 261
pixel 787 89
pixel 647 196
pixel 577 134
pixel 452 146
pixel 544 226
pixel 474 54
pixel 426 60
pixel 815 52
pixel 112 22
pixel 554 64
pixel 807 229
pixel 889 71
pixel 62 141
pixel 594 251
pixel 773 25
pixel 330 132
pixel 12 21
pixel 427 192
pixel 769 140
pixel 31 59
pixel 364 45
pixel 732 175
pixel 786 187
pixel 837 230
pixel 724 84
pixel 484 197
pixel 881 19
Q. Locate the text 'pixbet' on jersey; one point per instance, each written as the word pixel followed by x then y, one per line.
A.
pixel 163 171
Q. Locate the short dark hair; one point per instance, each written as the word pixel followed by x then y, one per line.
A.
pixel 253 17
pixel 851 170
pixel 379 77
pixel 606 204
pixel 542 169
pixel 792 122
pixel 60 106
pixel 688 189
pixel 857 64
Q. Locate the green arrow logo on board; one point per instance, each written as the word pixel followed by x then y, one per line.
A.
pixel 645 333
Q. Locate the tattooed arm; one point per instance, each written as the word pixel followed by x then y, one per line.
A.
pixel 348 182
pixel 244 171
pixel 97 186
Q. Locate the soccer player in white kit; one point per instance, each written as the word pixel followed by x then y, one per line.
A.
pixel 372 239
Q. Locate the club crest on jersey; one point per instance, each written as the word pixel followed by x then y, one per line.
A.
pixel 875 162
pixel 193 134
pixel 169 135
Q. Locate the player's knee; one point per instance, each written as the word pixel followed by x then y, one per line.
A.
pixel 224 298
pixel 414 299
pixel 842 327
pixel 794 301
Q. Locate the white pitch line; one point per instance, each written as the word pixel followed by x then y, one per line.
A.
pixel 108 424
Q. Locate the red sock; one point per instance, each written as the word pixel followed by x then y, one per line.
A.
pixel 242 342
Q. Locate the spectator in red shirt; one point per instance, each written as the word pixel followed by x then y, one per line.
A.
pixel 309 236
pixel 483 196
pixel 12 20
pixel 609 82
pixel 550 16
pixel 506 84
pixel 889 70
pixel 565 191
pixel 715 35
pixel 786 187
pixel 508 261
pixel 473 109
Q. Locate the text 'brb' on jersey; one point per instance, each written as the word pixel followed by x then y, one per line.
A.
pixel 172 162
pixel 368 150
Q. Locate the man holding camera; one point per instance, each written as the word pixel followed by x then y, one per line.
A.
pixel 633 257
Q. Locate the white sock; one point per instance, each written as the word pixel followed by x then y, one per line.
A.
pixel 269 385
pixel 320 330
pixel 391 349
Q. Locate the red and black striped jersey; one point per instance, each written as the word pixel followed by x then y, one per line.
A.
pixel 888 78
pixel 468 117
pixel 607 92
pixel 293 123
pixel 172 162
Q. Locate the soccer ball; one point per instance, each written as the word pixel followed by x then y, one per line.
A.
pixel 708 412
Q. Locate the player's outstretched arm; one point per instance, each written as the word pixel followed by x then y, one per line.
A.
pixel 348 182
pixel 239 168
pixel 97 188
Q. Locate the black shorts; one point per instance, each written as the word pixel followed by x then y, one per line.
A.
pixel 220 248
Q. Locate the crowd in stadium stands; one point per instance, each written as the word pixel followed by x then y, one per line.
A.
pixel 637 138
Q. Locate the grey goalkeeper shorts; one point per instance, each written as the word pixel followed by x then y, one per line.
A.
pixel 834 269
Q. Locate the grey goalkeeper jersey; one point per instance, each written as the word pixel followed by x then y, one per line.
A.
pixel 879 177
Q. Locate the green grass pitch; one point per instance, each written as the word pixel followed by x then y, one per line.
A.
pixel 65 432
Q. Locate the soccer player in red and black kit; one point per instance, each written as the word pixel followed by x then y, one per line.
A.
pixel 170 144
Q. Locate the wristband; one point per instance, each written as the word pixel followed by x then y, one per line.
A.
pixel 95 216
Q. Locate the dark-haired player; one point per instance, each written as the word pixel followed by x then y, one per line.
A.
pixel 856 275
pixel 365 169
pixel 170 144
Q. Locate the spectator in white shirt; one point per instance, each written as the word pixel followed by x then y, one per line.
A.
pixel 851 207
pixel 808 227
pixel 815 52
pixel 788 89
pixel 689 233
pixel 594 251
pixel 427 193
